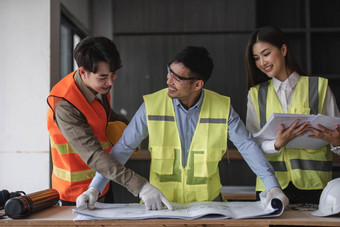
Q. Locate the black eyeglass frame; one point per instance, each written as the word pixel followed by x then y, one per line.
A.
pixel 178 76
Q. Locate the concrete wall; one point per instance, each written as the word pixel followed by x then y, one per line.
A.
pixel 29 57
pixel 24 85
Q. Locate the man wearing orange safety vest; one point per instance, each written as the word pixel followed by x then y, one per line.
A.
pixel 78 123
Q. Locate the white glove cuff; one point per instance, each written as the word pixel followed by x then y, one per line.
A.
pixel 93 191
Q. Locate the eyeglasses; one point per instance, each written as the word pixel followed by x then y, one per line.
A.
pixel 177 78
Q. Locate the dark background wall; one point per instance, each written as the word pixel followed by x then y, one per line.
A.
pixel 149 33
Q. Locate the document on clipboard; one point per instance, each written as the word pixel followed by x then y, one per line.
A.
pixel 270 129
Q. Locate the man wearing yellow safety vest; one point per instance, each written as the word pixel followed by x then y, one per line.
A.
pixel 188 127
pixel 79 127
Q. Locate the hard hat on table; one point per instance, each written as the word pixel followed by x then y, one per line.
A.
pixel 329 203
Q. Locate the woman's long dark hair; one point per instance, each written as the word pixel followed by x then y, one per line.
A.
pixel 275 37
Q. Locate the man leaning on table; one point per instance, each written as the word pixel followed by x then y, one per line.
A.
pixel 81 135
pixel 188 127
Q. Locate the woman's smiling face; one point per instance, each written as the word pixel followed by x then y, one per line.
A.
pixel 270 60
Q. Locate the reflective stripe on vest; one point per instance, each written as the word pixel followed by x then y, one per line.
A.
pixel 279 166
pixel 262 100
pixel 74 176
pixel 311 165
pixel 213 120
pixel 303 165
pixel 307 169
pixel 199 180
pixel 67 149
pixel 313 92
pixel 160 118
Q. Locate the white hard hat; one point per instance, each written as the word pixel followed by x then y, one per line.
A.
pixel 329 200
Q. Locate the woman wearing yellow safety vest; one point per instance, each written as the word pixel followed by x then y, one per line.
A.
pixel 278 85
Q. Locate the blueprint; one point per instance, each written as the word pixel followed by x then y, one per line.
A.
pixel 194 210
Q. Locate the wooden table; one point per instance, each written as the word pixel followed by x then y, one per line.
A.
pixel 63 216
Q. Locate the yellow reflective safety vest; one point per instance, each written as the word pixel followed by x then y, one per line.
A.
pixel 199 180
pixel 306 169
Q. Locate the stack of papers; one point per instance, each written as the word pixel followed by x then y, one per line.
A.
pixel 270 129
pixel 195 210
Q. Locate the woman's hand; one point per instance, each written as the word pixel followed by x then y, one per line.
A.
pixel 283 136
pixel 331 136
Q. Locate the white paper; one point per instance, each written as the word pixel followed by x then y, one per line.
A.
pixel 270 129
pixel 195 210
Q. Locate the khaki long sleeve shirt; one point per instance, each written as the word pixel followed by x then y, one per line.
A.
pixel 74 127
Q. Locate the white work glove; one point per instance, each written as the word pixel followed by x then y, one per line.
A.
pixel 153 198
pixel 275 192
pixel 87 199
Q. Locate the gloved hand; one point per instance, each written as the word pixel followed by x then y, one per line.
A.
pixel 153 198
pixel 90 197
pixel 277 193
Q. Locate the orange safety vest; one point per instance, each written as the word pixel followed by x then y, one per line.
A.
pixel 71 176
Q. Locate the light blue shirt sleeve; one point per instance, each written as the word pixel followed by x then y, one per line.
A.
pixel 252 154
pixel 133 135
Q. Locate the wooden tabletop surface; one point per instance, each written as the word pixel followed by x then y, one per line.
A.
pixel 63 216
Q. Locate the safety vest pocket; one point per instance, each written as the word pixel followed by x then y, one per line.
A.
pixel 300 110
pixel 162 160
pixel 213 157
pixel 199 170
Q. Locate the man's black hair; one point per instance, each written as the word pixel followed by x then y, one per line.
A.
pixel 198 60
pixel 92 50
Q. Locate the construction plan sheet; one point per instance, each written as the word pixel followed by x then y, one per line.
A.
pixel 194 210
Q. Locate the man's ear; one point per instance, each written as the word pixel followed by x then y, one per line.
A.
pixel 198 84
pixel 82 72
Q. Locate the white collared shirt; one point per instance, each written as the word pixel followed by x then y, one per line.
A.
pixel 285 91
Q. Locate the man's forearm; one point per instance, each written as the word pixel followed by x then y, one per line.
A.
pixel 113 170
